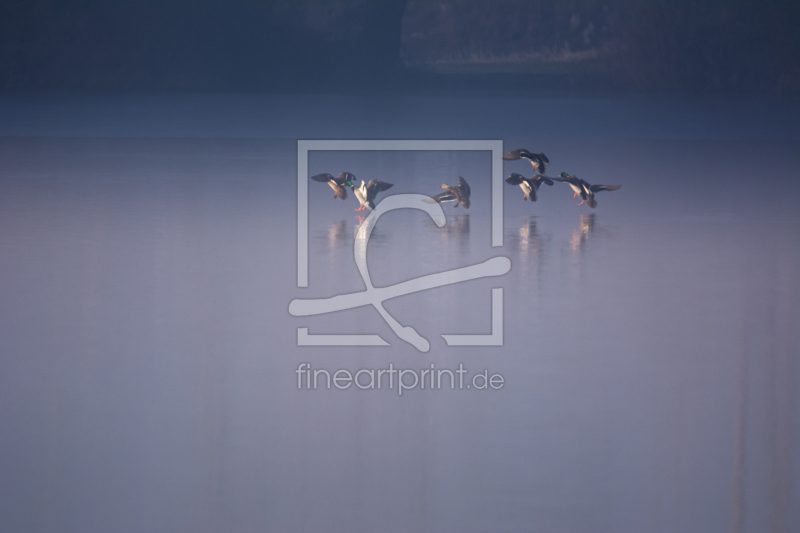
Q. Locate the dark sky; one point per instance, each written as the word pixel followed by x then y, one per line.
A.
pixel 703 47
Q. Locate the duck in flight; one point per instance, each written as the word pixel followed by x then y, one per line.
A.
pixel 530 185
pixel 455 193
pixel 584 188
pixel 590 201
pixel 338 184
pixel 574 182
pixel 539 161
pixel 367 192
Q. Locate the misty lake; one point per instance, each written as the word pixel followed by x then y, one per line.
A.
pixel 148 361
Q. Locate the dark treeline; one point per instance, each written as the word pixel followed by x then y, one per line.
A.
pixel 194 44
pixel 709 46
pixel 705 46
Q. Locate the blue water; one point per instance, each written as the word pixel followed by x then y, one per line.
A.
pixel 148 255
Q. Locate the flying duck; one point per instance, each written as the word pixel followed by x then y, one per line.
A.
pixel 530 185
pixel 574 182
pixel 367 192
pixel 539 161
pixel 338 184
pixel 455 193
pixel 584 188
pixel 590 201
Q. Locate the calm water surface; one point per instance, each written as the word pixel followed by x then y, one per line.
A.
pixel 147 363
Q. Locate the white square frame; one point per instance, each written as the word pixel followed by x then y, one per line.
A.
pixel 304 338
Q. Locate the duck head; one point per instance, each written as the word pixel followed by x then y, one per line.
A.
pixel 348 178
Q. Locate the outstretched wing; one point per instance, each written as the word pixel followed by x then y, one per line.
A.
pixel 598 188
pixel 516 154
pixel 545 179
pixel 324 178
pixel 515 179
pixel 446 196
pixel 375 186
pixel 378 186
pixel 464 186
pixel 543 158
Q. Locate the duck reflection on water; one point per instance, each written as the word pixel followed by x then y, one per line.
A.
pixel 457 225
pixel 453 237
pixel 525 239
pixel 337 232
pixel 581 234
pixel 528 235
pixel 376 236
pixel 530 245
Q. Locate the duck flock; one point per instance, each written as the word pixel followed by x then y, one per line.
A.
pixel 366 192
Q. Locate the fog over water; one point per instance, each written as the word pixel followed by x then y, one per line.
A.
pixel 148 255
